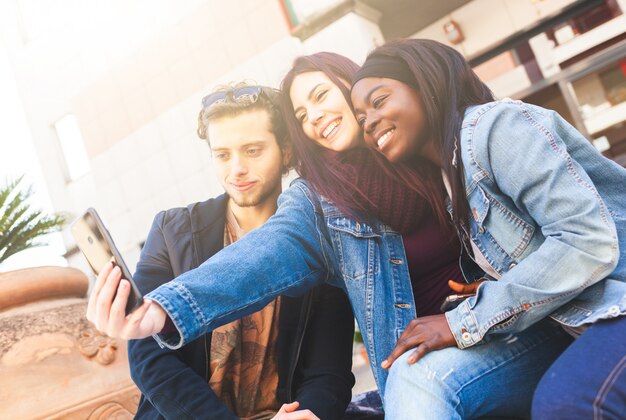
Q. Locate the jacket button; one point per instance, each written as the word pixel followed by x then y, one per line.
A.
pixel 358 226
pixel 614 310
pixel 481 230
pixel 512 265
pixel 467 337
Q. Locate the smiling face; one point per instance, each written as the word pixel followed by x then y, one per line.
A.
pixel 247 158
pixel 323 112
pixel 392 116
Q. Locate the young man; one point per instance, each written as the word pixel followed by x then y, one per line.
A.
pixel 294 349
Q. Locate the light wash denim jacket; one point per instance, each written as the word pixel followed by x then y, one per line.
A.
pixel 548 213
pixel 545 202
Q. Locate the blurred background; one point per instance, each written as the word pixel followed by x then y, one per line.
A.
pixel 99 103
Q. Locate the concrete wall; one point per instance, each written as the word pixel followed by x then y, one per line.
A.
pixel 134 74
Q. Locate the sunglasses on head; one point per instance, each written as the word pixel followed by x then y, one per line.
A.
pixel 248 94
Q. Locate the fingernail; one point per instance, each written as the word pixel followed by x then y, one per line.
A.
pixel 384 364
pixel 411 359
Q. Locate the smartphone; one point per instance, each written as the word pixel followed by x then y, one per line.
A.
pixel 453 301
pixel 96 244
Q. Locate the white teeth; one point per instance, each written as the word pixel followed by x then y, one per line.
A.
pixel 383 139
pixel 330 128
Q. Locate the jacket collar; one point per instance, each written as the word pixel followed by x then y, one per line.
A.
pixel 207 227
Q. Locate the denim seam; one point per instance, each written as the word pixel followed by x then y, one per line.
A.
pixel 472 323
pixel 580 309
pixel 185 294
pixel 606 388
pixel 459 344
pixel 531 346
pixel 365 235
pixel 518 311
pixel 570 167
pixel 477 113
pixel 529 230
pixel 483 250
pixel 339 250
pixel 369 318
pixel 470 150
pixel 317 227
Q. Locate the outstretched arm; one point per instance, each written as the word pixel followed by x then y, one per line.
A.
pixel 288 255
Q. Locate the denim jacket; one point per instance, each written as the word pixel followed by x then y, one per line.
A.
pixel 547 211
pixel 308 241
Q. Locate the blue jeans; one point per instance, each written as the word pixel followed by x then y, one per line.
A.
pixel 496 378
pixel 588 381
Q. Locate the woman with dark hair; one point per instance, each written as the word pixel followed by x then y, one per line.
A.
pixel 356 218
pixel 537 208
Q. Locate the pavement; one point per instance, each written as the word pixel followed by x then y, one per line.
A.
pixel 362 371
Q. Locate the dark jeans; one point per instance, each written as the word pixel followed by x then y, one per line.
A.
pixel 365 406
pixel 588 381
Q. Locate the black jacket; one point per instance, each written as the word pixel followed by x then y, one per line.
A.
pixel 314 341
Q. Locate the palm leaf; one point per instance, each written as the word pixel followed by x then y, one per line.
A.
pixel 6 191
pixel 20 226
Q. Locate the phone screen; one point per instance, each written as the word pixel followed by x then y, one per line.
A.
pixel 98 248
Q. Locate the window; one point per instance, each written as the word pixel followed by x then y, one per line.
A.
pixel 73 147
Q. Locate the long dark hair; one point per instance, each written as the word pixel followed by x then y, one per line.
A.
pixel 447 86
pixel 312 160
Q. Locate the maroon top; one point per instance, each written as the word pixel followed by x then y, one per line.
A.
pixel 433 258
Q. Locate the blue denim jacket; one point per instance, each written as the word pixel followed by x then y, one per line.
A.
pixel 548 213
pixel 311 242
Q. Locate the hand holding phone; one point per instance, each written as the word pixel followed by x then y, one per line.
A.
pixel 96 244
pixel 463 291
pixel 453 301
pixel 105 308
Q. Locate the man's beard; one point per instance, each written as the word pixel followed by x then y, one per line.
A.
pixel 259 198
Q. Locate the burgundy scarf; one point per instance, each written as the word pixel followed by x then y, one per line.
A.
pixel 388 198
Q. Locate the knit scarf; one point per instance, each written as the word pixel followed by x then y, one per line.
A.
pixel 388 198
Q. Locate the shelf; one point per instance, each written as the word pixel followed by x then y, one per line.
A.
pixel 588 40
pixel 606 118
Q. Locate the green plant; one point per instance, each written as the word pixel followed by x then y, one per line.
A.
pixel 20 226
pixel 358 338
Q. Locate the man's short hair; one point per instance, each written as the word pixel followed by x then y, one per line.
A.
pixel 235 99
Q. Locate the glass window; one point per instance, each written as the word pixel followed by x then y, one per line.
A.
pixel 73 147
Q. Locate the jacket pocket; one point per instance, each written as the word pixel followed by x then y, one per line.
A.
pixel 496 229
pixel 355 246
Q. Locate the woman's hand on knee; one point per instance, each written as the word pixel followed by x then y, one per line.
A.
pixel 425 334
pixel 288 412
